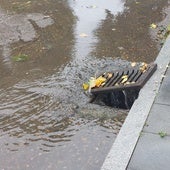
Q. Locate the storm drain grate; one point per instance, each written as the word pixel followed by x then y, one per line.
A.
pixel 133 78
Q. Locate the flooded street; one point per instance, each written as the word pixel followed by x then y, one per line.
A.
pixel 46 120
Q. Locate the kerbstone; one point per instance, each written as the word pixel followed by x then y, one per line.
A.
pixel 158 120
pixel 152 153
pixel 124 145
pixel 164 93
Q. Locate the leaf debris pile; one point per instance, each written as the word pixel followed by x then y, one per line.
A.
pixel 101 80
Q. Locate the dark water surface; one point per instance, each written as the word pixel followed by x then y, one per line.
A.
pixel 46 121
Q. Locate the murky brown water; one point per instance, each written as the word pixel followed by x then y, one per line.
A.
pixel 46 121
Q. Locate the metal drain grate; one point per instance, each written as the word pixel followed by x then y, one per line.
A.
pixel 133 78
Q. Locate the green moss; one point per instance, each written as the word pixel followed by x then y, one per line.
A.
pixel 20 57
pixel 162 134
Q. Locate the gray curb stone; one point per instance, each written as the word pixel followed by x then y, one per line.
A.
pixel 124 145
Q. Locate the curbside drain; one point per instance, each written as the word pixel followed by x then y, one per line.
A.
pixel 122 87
pixel 136 79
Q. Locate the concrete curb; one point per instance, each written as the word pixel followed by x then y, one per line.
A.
pixel 124 145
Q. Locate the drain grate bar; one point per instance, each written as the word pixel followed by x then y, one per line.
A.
pixel 135 78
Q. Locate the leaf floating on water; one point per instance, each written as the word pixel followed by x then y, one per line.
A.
pixel 83 35
pixel 120 48
pixel 28 2
pixel 124 79
pixel 113 29
pixel 20 57
pixel 153 26
pixel 93 82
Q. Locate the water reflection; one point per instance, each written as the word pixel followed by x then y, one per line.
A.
pixel 44 115
pixel 128 36
pixel 15 28
pixel 89 14
pixel 52 46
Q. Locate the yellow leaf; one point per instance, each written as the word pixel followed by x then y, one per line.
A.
pixel 124 79
pixel 109 75
pixel 153 26
pixel 100 80
pixel 143 67
pixel 85 86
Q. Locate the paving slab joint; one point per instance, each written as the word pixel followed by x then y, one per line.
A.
pixel 124 145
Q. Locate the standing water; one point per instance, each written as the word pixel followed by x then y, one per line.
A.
pixel 46 121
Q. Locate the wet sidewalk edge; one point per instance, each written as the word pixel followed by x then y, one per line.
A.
pixel 124 145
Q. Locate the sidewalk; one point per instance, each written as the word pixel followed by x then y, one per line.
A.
pixel 138 145
pixel 153 151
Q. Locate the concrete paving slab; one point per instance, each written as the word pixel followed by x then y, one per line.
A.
pixel 151 153
pixel 164 93
pixel 158 120
pixel 124 145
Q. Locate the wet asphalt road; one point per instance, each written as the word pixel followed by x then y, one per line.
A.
pixel 46 121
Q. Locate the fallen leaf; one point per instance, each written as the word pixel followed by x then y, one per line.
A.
pixel 28 2
pixel 120 48
pixel 109 75
pixel 133 64
pixel 85 86
pixel 143 67
pixel 153 26
pixel 124 79
pixel 83 35
pixel 99 81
